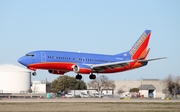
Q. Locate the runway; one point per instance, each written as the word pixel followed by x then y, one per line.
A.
pixel 88 100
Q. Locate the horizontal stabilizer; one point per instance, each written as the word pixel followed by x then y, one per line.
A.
pixel 151 59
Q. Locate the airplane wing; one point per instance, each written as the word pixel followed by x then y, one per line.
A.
pixel 103 66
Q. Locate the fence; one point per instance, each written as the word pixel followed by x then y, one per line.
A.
pixel 22 95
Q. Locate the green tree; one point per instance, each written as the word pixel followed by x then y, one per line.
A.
pixel 66 83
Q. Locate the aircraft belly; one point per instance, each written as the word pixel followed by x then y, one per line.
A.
pixel 53 66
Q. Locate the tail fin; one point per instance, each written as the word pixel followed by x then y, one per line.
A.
pixel 139 49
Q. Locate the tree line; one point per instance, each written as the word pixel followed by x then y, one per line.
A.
pixel 65 83
pixel 171 85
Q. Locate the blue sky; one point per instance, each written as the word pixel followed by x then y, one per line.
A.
pixel 93 26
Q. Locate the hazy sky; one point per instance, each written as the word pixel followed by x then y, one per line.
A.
pixel 94 26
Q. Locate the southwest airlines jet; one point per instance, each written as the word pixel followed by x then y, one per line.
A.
pixel 61 62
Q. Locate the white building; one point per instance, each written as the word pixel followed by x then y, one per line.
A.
pixel 146 87
pixel 14 79
pixel 38 87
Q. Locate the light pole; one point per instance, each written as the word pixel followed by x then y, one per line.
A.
pixel 141 86
pixel 74 86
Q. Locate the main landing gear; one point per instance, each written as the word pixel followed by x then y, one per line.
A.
pixel 79 77
pixel 92 76
pixel 34 73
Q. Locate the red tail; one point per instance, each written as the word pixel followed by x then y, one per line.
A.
pixel 139 50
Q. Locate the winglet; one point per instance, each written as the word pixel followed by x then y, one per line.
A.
pixel 139 49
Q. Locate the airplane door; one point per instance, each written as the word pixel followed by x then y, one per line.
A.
pixel 83 60
pixel 43 56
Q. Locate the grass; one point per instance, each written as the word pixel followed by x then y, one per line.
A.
pixel 91 107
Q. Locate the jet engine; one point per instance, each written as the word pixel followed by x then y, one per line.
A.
pixel 82 69
pixel 57 72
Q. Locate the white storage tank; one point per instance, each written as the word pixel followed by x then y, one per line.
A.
pixel 14 79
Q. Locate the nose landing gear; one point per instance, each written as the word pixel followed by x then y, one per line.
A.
pixel 34 73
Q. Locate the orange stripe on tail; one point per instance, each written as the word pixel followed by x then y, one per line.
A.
pixel 139 50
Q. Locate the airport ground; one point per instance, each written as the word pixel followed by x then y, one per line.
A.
pixel 89 105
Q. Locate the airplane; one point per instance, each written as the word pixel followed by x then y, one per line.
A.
pixel 61 62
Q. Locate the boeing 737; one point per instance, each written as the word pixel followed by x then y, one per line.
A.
pixel 61 62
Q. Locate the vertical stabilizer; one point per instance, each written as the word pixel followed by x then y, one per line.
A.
pixel 139 49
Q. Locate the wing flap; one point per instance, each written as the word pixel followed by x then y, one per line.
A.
pixel 104 66
pixel 114 64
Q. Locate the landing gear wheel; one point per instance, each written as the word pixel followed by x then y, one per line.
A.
pixel 92 76
pixel 79 77
pixel 34 73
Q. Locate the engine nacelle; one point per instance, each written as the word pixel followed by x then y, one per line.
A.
pixel 57 72
pixel 82 69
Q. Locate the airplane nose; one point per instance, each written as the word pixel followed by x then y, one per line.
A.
pixel 22 61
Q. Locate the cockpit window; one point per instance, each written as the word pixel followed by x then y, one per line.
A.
pixel 31 55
